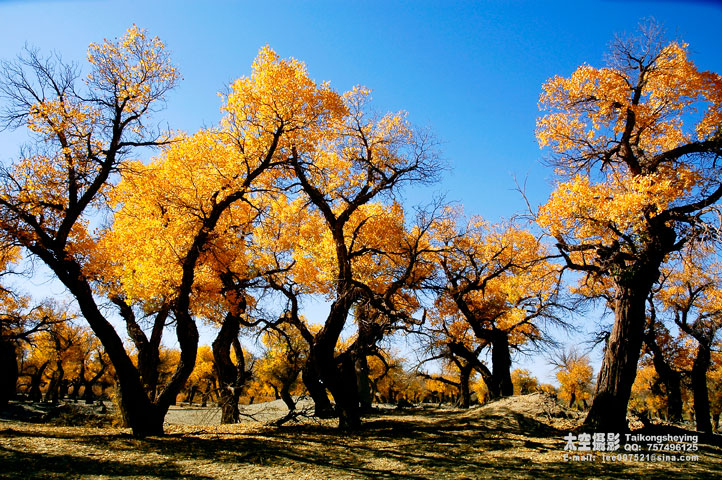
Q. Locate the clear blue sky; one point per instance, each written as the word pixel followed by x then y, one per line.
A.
pixel 470 71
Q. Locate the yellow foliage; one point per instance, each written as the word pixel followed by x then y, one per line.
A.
pixel 643 397
pixel 575 380
pixel 628 141
pixel 523 381
pixel 499 274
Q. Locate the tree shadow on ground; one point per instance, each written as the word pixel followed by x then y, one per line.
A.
pixel 17 464
pixel 442 444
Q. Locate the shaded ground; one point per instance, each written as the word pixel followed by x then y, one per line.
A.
pixel 520 437
pixel 259 412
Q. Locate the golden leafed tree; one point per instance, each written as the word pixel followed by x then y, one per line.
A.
pixel 635 145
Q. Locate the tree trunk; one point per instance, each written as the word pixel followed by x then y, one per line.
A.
pixel 192 394
pixel 362 382
pixel 139 413
pixel 88 395
pixel 286 395
pixel 75 392
pixel 699 389
pixel 8 372
pixel 148 357
pixel 464 391
pixel 55 385
pixel 619 365
pixel 671 378
pixel 341 381
pixel 501 363
pixel 316 389
pixel 231 377
pixel 35 381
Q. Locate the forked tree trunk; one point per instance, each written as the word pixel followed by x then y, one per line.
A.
pixel 143 416
pixel 231 377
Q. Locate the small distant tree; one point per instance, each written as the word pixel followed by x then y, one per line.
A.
pixel 203 379
pixel 285 353
pixel 647 398
pixel 497 289
pixel 575 376
pixel 524 382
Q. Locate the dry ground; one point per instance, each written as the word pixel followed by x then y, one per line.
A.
pixel 519 437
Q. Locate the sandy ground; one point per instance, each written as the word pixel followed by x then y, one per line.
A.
pixel 513 438
pixel 211 415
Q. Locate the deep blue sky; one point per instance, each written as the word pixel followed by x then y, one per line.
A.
pixel 469 71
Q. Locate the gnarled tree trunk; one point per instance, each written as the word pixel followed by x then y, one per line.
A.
pixel 231 377
pixel 619 366
pixel 699 389
pixel 316 389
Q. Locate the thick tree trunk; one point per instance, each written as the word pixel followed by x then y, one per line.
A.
pixel 464 390
pixel 8 372
pixel 501 363
pixel 316 389
pixel 35 380
pixel 139 413
pixel 619 365
pixel 231 377
pixel 633 283
pixel 699 389
pixel 339 375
